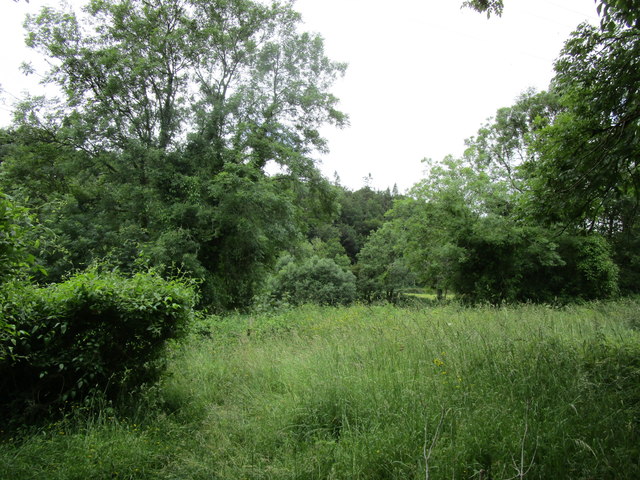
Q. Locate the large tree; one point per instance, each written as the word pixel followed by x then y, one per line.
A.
pixel 588 154
pixel 173 112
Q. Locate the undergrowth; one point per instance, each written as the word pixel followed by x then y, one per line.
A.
pixel 369 393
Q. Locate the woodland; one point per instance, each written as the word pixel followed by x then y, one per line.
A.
pixel 171 193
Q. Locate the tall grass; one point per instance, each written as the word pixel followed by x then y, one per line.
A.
pixel 371 393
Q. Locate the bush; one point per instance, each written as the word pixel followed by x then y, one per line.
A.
pixel 92 333
pixel 315 280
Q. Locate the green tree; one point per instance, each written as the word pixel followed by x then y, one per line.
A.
pixel 463 230
pixel 361 212
pixel 382 270
pixel 15 222
pixel 588 153
pixel 15 259
pixel 438 212
pixel 611 11
pixel 173 112
pixel 586 177
pixel 503 147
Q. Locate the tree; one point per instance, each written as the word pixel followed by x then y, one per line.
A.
pixel 583 176
pixel 466 228
pixel 611 11
pixel 588 153
pixel 14 225
pixel 382 270
pixel 15 259
pixel 489 7
pixel 503 147
pixel 437 212
pixel 173 111
pixel 361 212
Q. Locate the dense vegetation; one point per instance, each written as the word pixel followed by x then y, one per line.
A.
pixel 174 115
pixel 370 393
pixel 166 213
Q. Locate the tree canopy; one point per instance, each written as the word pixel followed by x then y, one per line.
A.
pixel 611 11
pixel 185 141
pixel 173 114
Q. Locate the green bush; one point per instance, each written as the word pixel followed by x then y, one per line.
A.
pixel 315 280
pixel 95 332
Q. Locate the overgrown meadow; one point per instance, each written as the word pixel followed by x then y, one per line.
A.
pixel 368 393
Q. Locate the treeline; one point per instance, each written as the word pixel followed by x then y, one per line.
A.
pixel 176 115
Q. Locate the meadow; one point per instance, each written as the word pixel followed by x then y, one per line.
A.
pixel 380 392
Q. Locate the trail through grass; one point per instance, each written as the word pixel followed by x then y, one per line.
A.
pixel 371 393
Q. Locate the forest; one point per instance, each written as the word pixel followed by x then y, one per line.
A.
pixel 183 294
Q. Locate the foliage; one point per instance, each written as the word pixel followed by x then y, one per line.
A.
pixel 15 262
pixel 361 212
pixel 15 223
pixel 95 333
pixel 173 115
pixel 589 271
pixel 611 11
pixel 467 227
pixel 503 147
pixel 382 270
pixel 505 263
pixel 439 212
pixel 489 7
pixel 588 153
pixel 314 280
pixel 619 11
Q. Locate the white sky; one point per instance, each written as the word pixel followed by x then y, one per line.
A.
pixel 423 74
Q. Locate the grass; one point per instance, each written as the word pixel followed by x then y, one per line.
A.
pixel 370 393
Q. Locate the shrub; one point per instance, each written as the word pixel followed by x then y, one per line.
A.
pixel 315 280
pixel 92 333
pixel 511 263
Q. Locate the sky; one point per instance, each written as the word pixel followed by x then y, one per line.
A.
pixel 423 75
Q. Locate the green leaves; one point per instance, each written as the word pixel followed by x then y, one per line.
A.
pixel 15 224
pixel 489 7
pixel 382 269
pixel 314 280
pixel 174 110
pixel 588 154
pixel 97 332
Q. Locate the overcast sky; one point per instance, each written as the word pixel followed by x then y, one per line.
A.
pixel 423 74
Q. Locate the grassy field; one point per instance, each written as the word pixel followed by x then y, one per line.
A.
pixel 369 393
